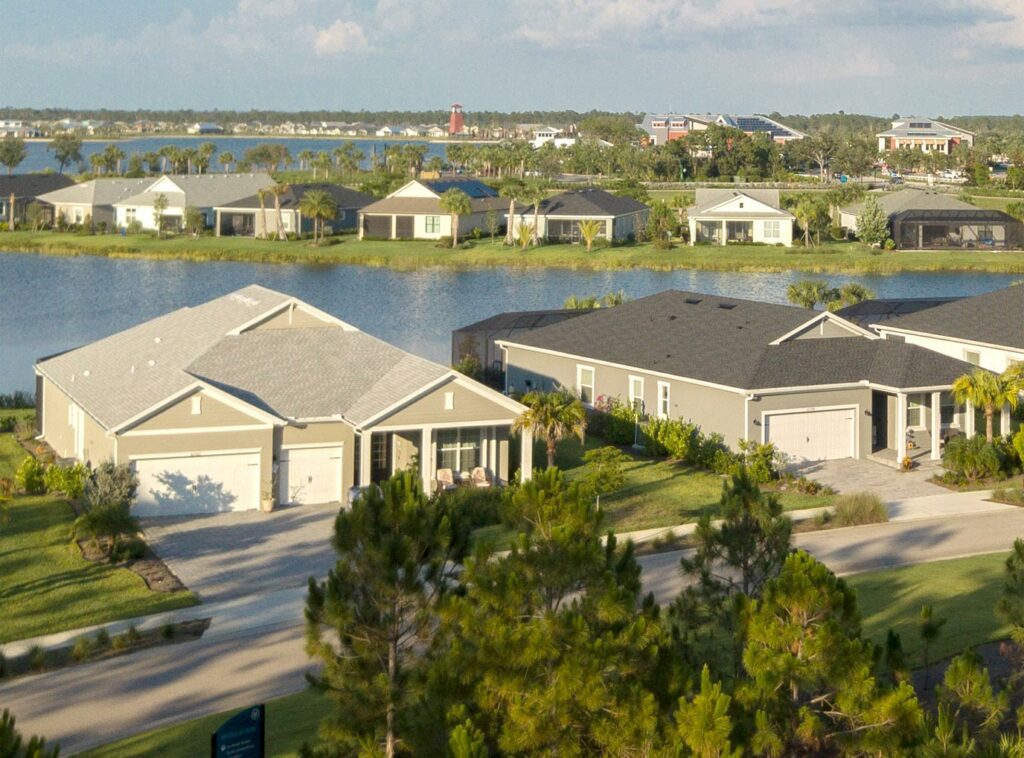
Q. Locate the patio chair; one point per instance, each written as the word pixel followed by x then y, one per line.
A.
pixel 445 479
pixel 479 477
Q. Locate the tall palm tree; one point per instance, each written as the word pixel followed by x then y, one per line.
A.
pixel 319 206
pixel 262 195
pixel 226 159
pixel 305 157
pixel 322 161
pixel 512 189
pixel 456 203
pixel 805 212
pixel 278 190
pixel 537 192
pixel 112 156
pixel 988 391
pixel 349 157
pixel 807 293
pixel 552 417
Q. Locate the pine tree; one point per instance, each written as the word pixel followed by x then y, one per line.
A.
pixel 872 223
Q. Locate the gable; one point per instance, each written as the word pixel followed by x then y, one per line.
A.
pixel 163 184
pixel 466 405
pixel 744 205
pixel 213 412
pixel 825 328
pixel 292 317
pixel 413 189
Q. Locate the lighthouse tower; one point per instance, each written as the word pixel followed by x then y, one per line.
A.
pixel 455 123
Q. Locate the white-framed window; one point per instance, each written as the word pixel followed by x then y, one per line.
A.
pixel 771 230
pixel 585 383
pixel 916 410
pixel 79 215
pixel 432 224
pixel 286 221
pixel 664 399
pixel 197 405
pixel 973 357
pixel 129 214
pixel 458 449
pixel 636 393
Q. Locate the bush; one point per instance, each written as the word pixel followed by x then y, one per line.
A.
pixel 889 244
pixel 859 508
pixel 134 227
pixel 36 658
pixel 762 461
pixel 124 550
pixel 82 649
pixel 168 631
pixel 480 506
pixel 675 439
pixel 1018 446
pixel 102 638
pixel 972 458
pixel 613 421
pixel 1011 495
pixel 29 477
pixel 7 424
pixel 67 480
pixel 111 484
pixel 25 428
pixel 112 528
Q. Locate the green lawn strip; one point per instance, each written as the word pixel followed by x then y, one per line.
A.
pixel 830 257
pixel 47 586
pixel 291 720
pixel 11 456
pixel 964 591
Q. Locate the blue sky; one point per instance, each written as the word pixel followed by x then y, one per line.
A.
pixel 937 57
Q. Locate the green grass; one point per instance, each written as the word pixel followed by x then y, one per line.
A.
pixel 47 585
pixel 291 720
pixel 848 257
pixel 964 591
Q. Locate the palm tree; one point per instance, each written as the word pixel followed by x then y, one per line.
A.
pixel 807 293
pixel 457 203
pixel 590 230
pixel 112 157
pixel 96 162
pixel 988 391
pixel 348 157
pixel 511 188
pixel 262 195
pixel 305 157
pixel 319 206
pixel 277 191
pixel 552 416
pixel 322 161
pixel 805 211
pixel 537 192
pixel 226 159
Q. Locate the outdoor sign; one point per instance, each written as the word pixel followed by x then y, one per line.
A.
pixel 241 736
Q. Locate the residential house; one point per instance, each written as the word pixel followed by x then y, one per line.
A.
pixel 558 217
pixel 721 216
pixel 92 201
pixel 414 211
pixel 923 219
pixel 257 399
pixel 205 192
pixel 480 339
pixel 924 134
pixel 21 190
pixel 245 217
pixel 665 127
pixel 390 130
pixel 815 385
pixel 205 127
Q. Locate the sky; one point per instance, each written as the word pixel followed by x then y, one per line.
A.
pixel 927 57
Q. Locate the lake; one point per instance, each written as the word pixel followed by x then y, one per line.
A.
pixel 49 304
pixel 38 158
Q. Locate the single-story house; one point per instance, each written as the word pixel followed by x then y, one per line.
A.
pixel 923 219
pixel 721 216
pixel 480 339
pixel 245 218
pixel 27 189
pixel 413 211
pixel 559 216
pixel 93 200
pixel 201 191
pixel 814 384
pixel 256 399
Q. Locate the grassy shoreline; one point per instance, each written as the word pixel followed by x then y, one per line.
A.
pixel 835 258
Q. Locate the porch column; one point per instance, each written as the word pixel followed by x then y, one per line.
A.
pixel 936 425
pixel 394 227
pixel 1004 421
pixel 426 461
pixel 725 232
pixel 693 230
pixel 901 427
pixel 969 419
pixel 526 455
pixel 492 448
pixel 365 452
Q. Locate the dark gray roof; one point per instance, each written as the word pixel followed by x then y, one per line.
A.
pixel 345 197
pixel 910 198
pixel 995 318
pixel 32 185
pixel 472 187
pixel 881 310
pixel 587 202
pixel 523 319
pixel 727 341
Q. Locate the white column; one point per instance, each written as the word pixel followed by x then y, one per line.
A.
pixel 492 456
pixel 365 451
pixel 725 230
pixel 693 230
pixel 969 419
pixel 526 455
pixel 1004 421
pixel 426 461
pixel 936 425
pixel 901 427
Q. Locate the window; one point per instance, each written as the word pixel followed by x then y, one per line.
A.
pixel 458 449
pixel 79 215
pixel 636 393
pixel 771 229
pixel 432 224
pixel 916 410
pixel 973 357
pixel 585 383
pixel 129 214
pixel 664 399
pixel 197 405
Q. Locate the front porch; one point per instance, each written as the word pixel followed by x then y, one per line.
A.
pixel 721 231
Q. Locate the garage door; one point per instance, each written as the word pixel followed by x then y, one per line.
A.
pixel 201 483
pixel 310 475
pixel 813 435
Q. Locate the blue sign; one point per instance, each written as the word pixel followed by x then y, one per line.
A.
pixel 241 736
pixel 844 179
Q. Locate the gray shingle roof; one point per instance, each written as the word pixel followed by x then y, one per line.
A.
pixel 523 319
pixel 881 310
pixel 995 318
pixel 32 185
pixel 587 202
pixel 97 191
pixel 204 190
pixel 345 197
pixel 727 341
pixel 910 198
pixel 710 197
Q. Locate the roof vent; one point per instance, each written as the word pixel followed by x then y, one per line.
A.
pixel 672 317
pixel 85 373
pixel 727 306
pixel 151 363
pixel 156 340
pixel 692 300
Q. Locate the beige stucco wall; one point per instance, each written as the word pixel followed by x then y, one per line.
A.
pixel 468 407
pixel 57 432
pixel 212 413
pixel 323 432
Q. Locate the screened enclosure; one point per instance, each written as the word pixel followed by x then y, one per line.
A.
pixel 963 229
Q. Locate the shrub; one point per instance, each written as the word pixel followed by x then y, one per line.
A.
pixel 889 244
pixel 25 428
pixel 168 631
pixel 706 450
pixel 134 227
pixel 762 461
pixel 1018 446
pixel 111 527
pixel 675 439
pixel 1011 495
pixel 67 480
pixel 36 658
pixel 29 477
pixel 82 649
pixel 102 638
pixel 859 508
pixel 971 458
pixel 7 424
pixel 124 550
pixel 111 484
pixel 119 641
pixel 132 633
pixel 613 421
pixel 480 506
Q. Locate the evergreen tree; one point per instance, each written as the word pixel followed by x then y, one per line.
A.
pixel 872 223
pixel 13 745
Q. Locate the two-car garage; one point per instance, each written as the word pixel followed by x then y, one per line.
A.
pixel 813 434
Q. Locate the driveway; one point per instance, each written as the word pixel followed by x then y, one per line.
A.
pixel 852 475
pixel 230 555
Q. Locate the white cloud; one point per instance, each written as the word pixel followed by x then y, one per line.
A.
pixel 1002 27
pixel 341 37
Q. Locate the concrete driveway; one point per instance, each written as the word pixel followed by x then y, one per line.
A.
pixel 230 555
pixel 852 475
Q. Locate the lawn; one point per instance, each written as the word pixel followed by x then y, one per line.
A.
pixel 46 585
pixel 830 257
pixel 291 720
pixel 964 591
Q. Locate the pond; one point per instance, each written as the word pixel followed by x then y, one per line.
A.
pixel 50 303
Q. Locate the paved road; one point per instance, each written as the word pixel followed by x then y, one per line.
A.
pixel 96 703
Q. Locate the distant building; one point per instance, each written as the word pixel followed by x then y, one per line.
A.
pixel 723 216
pixel 925 135
pixel 414 211
pixel 663 128
pixel 456 125
pixel 206 127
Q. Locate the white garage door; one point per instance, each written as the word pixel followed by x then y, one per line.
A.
pixel 813 435
pixel 310 475
pixel 202 483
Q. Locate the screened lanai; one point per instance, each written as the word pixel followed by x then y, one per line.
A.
pixel 968 229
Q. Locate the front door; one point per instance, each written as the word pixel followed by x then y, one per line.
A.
pixel 879 421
